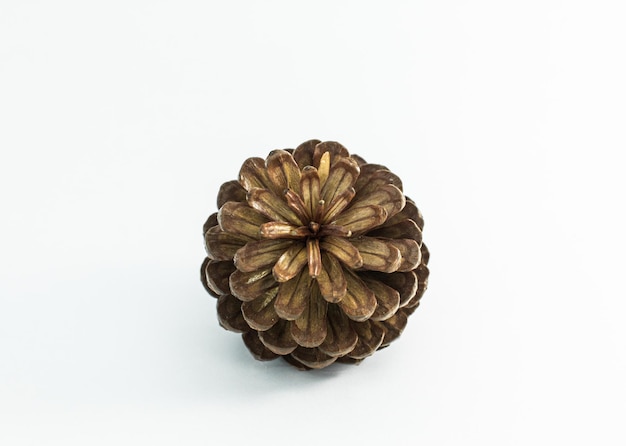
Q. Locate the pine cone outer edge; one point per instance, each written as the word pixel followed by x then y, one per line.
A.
pixel 315 256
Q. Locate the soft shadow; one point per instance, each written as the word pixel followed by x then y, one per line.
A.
pixel 236 374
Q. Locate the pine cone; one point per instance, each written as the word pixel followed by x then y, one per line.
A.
pixel 315 255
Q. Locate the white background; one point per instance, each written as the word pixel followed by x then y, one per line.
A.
pixel 119 121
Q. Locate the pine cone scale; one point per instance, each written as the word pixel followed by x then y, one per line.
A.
pixel 256 347
pixel 359 303
pixel 310 186
pixel 309 329
pixel 361 219
pixel 410 254
pixel 389 197
pixel 342 250
pixel 293 296
pixel 387 299
pixel 229 314
pixel 260 313
pixel 291 262
pixel 272 206
pixel 238 218
pixel 283 171
pixel 223 246
pixel 278 339
pixel 378 255
pixel 341 338
pixel 217 276
pixel 331 281
pixel 405 283
pixel 371 336
pixel 254 175
pixel 258 254
pixel 342 176
pixel 230 191
pixel 313 358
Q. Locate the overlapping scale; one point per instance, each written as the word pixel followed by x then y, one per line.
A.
pixel 217 276
pixel 312 358
pixel 370 335
pixel 222 245
pixel 293 296
pixel 278 339
pixel 341 337
pixel 229 314
pixel 260 313
pixel 230 191
pixel 309 329
pixel 256 347
pixel 247 286
pixel 283 171
pixel 239 218
pixel 256 255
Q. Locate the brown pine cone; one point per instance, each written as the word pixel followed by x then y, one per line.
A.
pixel 315 255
